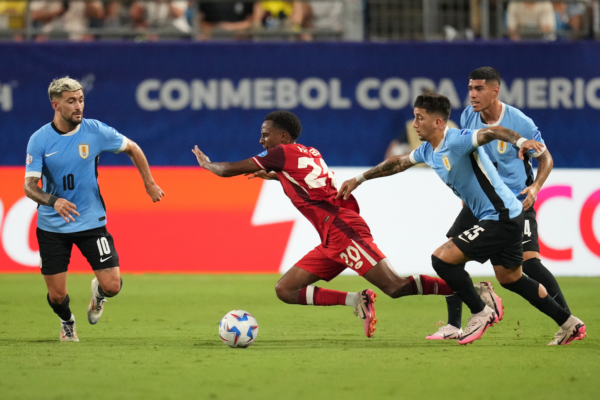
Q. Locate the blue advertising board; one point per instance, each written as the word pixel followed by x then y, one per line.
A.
pixel 352 98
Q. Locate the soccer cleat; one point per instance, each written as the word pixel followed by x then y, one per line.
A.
pixel 94 311
pixel 491 299
pixel 68 331
pixel 477 325
pixel 365 310
pixel 574 330
pixel 447 332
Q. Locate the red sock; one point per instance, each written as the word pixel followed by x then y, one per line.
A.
pixel 425 284
pixel 316 296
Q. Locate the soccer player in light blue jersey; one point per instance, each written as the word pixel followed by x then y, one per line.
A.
pixel 488 111
pixel 456 156
pixel 65 154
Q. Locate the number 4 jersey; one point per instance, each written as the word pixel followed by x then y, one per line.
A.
pixel 68 166
pixel 307 181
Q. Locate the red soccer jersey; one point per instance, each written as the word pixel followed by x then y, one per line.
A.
pixel 308 183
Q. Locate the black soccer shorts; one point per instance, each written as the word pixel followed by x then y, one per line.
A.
pixel 501 242
pixel 96 245
pixel 466 220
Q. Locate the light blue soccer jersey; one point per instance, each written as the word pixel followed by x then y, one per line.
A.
pixel 515 173
pixel 468 171
pixel 68 166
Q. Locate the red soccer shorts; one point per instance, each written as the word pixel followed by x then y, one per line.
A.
pixel 348 244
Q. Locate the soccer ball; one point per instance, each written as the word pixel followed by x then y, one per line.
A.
pixel 238 328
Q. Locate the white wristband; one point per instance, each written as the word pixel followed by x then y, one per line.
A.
pixel 360 178
pixel 520 142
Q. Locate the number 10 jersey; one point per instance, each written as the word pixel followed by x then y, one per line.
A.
pixel 68 166
pixel 308 183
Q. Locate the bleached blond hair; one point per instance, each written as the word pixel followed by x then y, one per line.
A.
pixel 66 84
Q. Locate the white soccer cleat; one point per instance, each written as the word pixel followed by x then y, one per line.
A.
pixel 447 332
pixel 491 299
pixel 478 324
pixel 68 331
pixel 94 311
pixel 573 329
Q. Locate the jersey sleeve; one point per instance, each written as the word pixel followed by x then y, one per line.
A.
pixel 110 139
pixel 463 118
pixel 463 141
pixel 417 156
pixel 271 159
pixel 530 131
pixel 34 160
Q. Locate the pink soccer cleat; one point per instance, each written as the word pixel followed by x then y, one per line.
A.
pixel 478 324
pixel 491 299
pixel 573 329
pixel 447 332
pixel 365 310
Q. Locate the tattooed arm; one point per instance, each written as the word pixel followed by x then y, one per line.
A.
pixel 390 166
pixel 62 206
pixel 545 164
pixel 486 135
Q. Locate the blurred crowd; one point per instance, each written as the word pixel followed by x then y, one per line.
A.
pixel 295 20
pixel 150 20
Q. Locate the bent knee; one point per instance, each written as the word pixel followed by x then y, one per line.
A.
pixel 57 297
pixel 285 294
pixel 111 288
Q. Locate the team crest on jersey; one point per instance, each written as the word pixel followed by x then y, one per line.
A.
pixel 84 150
pixel 447 163
pixel 264 153
pixel 29 159
pixel 502 147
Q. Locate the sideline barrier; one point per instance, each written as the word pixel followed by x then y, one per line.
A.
pixel 353 98
pixel 207 224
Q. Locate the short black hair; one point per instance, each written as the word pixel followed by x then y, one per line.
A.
pixel 286 121
pixel 487 73
pixel 434 103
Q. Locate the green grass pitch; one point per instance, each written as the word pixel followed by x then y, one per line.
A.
pixel 159 340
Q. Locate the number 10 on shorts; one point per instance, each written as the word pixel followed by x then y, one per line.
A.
pixel 103 246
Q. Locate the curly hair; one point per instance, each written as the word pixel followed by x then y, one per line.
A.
pixel 286 121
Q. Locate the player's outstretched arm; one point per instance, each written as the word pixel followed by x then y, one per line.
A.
pixel 225 169
pixel 139 160
pixel 545 164
pixel 62 206
pixel 485 136
pixel 390 166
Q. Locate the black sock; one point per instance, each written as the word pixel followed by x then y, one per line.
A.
pixel 534 269
pixel 459 280
pixel 101 292
pixel 529 290
pixel 454 304
pixel 62 310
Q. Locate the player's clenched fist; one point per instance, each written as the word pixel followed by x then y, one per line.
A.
pixel 530 145
pixel 347 188
pixel 154 192
pixel 65 208
pixel 201 157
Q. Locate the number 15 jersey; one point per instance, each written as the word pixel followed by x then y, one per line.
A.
pixel 307 181
pixel 68 166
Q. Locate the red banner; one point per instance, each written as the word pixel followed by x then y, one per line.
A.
pixel 202 225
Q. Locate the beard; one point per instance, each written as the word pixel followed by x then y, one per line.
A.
pixel 72 122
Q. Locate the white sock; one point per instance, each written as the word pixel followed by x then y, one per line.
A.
pixel 352 298
pixel 569 324
pixel 483 312
pixel 72 319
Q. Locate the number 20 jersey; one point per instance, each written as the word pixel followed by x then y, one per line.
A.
pixel 307 181
pixel 67 164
